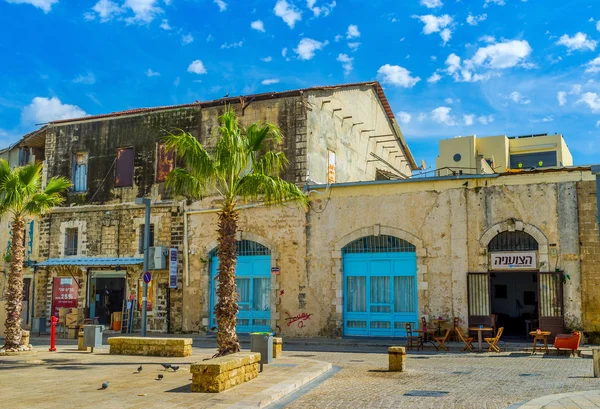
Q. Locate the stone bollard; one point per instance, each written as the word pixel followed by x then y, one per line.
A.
pixel 277 347
pixel 397 358
pixel 80 346
pixel 596 359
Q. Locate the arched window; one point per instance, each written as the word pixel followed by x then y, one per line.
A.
pixel 513 241
pixel 247 248
pixel 379 244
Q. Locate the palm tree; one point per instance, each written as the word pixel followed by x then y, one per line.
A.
pixel 21 196
pixel 241 166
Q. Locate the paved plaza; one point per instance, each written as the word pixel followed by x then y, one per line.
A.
pixel 453 380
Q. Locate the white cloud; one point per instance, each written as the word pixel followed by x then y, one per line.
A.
pixel 403 117
pixel 578 42
pixel 222 5
pixel 43 110
pixel 307 47
pixel 346 62
pixel 45 5
pixel 592 100
pixel 232 45
pixel 453 63
pixel 284 52
pixel 270 81
pixel 338 38
pixel 544 119
pixel 442 115
pixel 398 76
pixel 562 98
pixel 488 39
pixel 165 24
pixel 87 79
pixel 105 9
pixel 431 4
pixel 151 73
pixel 209 38
pixel 258 25
pixel 597 25
pixel 322 10
pixel 144 11
pixel 498 2
pixel 435 77
pixel 575 89
pixel 450 100
pixel 593 66
pixel 433 58
pixel 352 31
pixel 517 98
pixel 501 55
pixel 267 59
pixel 288 13
pixel 354 46
pixel 468 119
pixel 433 24
pixel 597 124
pixel 187 38
pixel 474 20
pixel 177 81
pixel 484 120
pixel 197 67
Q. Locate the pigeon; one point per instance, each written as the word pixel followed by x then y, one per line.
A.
pixel 166 366
pixel 140 369
pixel 160 376
pixel 174 368
pixel 105 385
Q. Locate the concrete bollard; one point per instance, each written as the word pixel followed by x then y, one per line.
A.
pixel 596 359
pixel 277 347
pixel 397 359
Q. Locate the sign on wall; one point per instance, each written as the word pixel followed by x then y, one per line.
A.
pixel 172 268
pixel 64 294
pixel 514 260
pixel 141 295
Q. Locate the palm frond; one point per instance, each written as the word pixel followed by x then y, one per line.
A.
pixel 30 177
pixel 41 203
pixel 271 189
pixel 270 163
pixel 184 183
pixel 259 136
pixel 57 185
pixel 193 154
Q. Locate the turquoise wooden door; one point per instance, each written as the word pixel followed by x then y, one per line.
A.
pixel 380 287
pixel 253 282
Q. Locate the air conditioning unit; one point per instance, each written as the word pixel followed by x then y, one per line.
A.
pixel 158 258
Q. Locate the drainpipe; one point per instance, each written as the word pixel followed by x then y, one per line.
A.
pixel 596 171
pixel 185 233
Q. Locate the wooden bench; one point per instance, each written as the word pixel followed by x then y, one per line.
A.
pixel 175 347
pixel 219 374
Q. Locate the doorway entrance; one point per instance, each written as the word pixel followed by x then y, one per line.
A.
pixel 515 301
pixel 107 292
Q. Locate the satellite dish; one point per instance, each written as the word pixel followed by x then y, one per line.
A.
pixel 423 164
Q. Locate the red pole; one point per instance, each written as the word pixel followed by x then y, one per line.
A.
pixel 53 322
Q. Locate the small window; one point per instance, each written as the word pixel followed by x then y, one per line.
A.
pixel 330 166
pixel 141 237
pixel 80 165
pixel 24 156
pixel 165 162
pixel 457 157
pixel 71 241
pixel 124 176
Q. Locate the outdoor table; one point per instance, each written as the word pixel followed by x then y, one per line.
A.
pixel 480 335
pixel 439 326
pixel 425 337
pixel 541 336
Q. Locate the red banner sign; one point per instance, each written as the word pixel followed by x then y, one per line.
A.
pixel 64 294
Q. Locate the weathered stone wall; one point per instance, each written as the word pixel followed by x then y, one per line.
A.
pixel 590 254
pixel 175 347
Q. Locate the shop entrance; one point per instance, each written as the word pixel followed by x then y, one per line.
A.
pixel 107 292
pixel 515 301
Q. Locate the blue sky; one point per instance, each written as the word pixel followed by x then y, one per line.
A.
pixel 449 67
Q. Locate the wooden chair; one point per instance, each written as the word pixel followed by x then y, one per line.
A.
pixel 494 341
pixel 441 340
pixel 455 329
pixel 468 341
pixel 410 338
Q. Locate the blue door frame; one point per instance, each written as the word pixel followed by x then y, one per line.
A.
pixel 253 280
pixel 380 294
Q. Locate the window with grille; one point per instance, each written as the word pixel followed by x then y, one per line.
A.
pixel 141 237
pixel 379 244
pixel 71 236
pixel 513 241
pixel 247 248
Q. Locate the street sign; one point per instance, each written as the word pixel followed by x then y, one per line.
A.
pixel 147 277
pixel 173 268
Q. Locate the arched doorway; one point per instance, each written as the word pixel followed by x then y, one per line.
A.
pixel 253 282
pixel 514 292
pixel 379 286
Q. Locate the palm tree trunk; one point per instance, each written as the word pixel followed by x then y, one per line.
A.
pixel 14 295
pixel 227 308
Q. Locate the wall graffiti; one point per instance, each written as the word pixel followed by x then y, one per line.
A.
pixel 300 318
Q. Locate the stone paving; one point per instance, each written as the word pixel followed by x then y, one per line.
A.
pixel 574 400
pixel 69 378
pixel 473 381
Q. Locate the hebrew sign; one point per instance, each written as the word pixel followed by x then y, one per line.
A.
pixel 514 260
